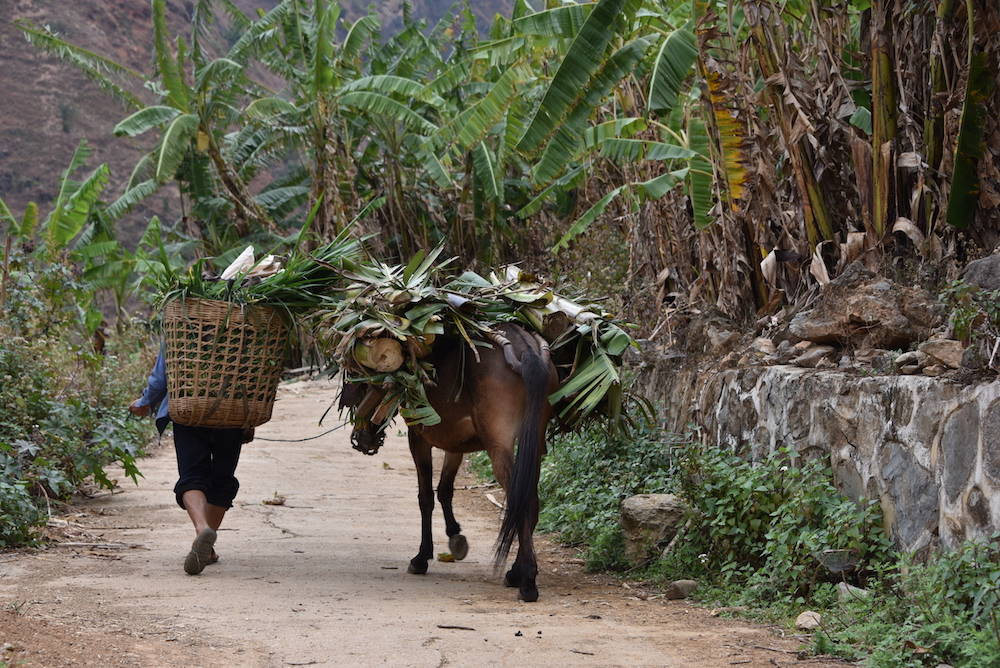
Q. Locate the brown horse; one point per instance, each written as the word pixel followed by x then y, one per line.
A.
pixel 486 404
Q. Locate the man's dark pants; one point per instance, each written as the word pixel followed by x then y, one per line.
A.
pixel 206 461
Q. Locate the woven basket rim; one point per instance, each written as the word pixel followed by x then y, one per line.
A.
pixel 219 303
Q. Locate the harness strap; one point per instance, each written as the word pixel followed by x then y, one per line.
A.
pixel 507 348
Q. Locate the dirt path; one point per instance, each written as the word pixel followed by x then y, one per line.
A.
pixel 322 579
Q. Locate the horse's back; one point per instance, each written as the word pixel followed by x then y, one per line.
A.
pixel 481 401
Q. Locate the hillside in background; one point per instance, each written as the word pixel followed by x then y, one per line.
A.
pixel 48 107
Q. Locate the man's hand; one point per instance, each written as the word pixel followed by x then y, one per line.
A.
pixel 137 410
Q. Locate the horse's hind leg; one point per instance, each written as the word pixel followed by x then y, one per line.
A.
pixel 503 463
pixel 524 571
pixel 421 453
pixel 457 544
pixel 526 564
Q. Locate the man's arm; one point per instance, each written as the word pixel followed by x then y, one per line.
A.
pixel 156 389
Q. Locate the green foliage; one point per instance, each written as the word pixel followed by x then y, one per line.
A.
pixel 63 414
pixel 762 524
pixel 674 62
pixel 79 232
pixel 74 203
pixel 18 513
pixel 943 611
pixel 481 466
pixel 974 312
pixel 573 75
pixel 106 73
pixel 584 479
pixel 448 136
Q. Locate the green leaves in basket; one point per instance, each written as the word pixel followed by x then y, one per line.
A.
pixel 307 279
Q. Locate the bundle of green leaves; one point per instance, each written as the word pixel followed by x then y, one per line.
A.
pixel 414 303
pixel 306 279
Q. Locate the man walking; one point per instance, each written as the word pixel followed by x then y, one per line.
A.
pixel 206 466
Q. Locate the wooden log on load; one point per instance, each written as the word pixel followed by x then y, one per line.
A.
pixel 382 355
pixel 555 325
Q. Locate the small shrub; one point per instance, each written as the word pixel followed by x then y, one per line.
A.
pixel 975 314
pixel 944 611
pixel 761 524
pixel 18 513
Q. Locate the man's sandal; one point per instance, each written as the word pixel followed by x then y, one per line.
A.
pixel 201 552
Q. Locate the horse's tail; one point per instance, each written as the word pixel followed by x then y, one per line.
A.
pixel 523 489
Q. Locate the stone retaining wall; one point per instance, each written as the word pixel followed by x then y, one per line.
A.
pixel 927 448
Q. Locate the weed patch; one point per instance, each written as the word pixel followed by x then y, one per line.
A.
pixel 584 478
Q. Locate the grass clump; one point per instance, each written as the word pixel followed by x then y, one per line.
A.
pixel 943 611
pixel 763 526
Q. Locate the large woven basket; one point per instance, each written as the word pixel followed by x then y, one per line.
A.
pixel 224 362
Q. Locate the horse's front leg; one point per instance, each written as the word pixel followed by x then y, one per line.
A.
pixel 457 544
pixel 421 452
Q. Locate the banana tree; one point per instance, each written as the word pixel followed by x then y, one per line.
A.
pixel 193 113
pixel 298 42
pixel 66 233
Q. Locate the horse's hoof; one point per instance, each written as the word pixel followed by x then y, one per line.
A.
pixel 512 579
pixel 458 546
pixel 529 594
pixel 417 567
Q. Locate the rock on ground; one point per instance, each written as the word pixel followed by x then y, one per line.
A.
pixel 913 358
pixel 846 592
pixel 814 357
pixel 649 520
pixel 946 351
pixel 679 589
pixel 984 273
pixel 808 620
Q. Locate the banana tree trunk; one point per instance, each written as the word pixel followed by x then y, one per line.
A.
pixel 934 123
pixel 963 198
pixel 237 193
pixel 883 117
pixel 728 142
pixel 769 51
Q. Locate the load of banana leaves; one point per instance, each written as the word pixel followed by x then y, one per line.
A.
pixel 380 329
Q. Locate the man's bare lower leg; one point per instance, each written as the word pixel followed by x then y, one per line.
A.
pixel 197 508
pixel 215 515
